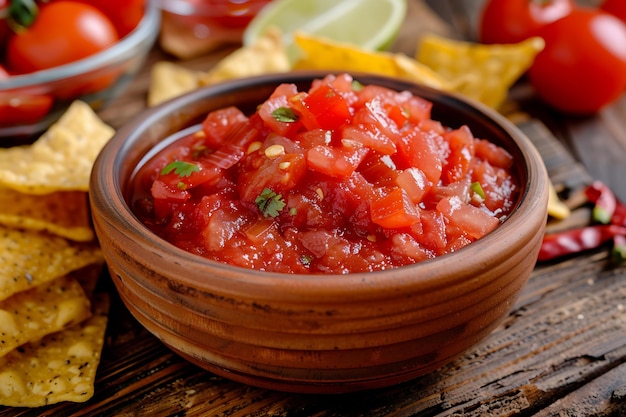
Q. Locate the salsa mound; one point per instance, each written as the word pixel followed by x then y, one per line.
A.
pixel 341 178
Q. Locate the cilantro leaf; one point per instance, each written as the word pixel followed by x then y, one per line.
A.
pixel 269 203
pixel 180 168
pixel 285 114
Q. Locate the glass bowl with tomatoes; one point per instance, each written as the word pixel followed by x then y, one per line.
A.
pixel 55 52
pixel 319 233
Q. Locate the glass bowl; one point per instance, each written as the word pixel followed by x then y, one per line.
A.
pixel 38 99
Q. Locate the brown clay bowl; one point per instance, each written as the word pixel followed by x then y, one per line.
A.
pixel 314 333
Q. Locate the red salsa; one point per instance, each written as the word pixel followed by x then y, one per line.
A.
pixel 341 178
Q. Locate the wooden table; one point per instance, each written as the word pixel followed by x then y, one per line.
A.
pixel 561 351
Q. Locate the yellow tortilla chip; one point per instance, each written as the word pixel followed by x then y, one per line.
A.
pixel 64 213
pixel 556 208
pixel 169 80
pixel 29 259
pixel 482 72
pixel 30 315
pixel 61 159
pixel 60 367
pixel 266 55
pixel 323 54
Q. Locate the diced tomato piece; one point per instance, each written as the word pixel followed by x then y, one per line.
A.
pixel 223 221
pixel 166 191
pixel 472 220
pixel 371 137
pixel 219 122
pixel 459 189
pixel 335 161
pixel 461 143
pixel 165 197
pixel 432 231
pixel 418 109
pixel 398 114
pixel 286 90
pixel 173 180
pixel 371 91
pixel 394 210
pixel 496 155
pixel 431 126
pixel 259 231
pixel 414 182
pixel 311 138
pixel 498 186
pixel 418 149
pixel 412 108
pixel 280 173
pixel 378 169
pixel 406 250
pixel 266 112
pixel 349 199
pixel 323 108
pixel 287 144
pixel 457 239
pixel 342 83
pixel 374 113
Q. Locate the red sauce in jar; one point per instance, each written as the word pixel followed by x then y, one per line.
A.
pixel 341 178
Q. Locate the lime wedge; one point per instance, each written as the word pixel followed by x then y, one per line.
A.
pixel 369 24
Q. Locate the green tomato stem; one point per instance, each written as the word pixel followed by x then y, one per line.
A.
pixel 23 13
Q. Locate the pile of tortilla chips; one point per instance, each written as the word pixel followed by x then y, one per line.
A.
pixel 52 320
pixel 482 72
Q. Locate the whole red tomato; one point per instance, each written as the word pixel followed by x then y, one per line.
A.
pixel 511 21
pixel 124 14
pixel 4 28
pixel 615 7
pixel 18 108
pixel 63 32
pixel 583 65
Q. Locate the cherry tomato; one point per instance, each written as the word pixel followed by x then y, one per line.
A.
pixel 63 32
pixel 583 65
pixel 511 21
pixel 615 7
pixel 124 14
pixel 17 108
pixel 4 28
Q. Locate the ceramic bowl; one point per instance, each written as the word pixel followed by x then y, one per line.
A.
pixel 96 80
pixel 314 333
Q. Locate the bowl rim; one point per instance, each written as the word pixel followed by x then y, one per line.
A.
pixel 147 28
pixel 362 284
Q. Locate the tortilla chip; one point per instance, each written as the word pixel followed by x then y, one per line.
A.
pixel 30 315
pixel 266 55
pixel 61 159
pixel 324 54
pixel 64 213
pixel 169 80
pixel 60 367
pixel 482 72
pixel 29 259
pixel 556 207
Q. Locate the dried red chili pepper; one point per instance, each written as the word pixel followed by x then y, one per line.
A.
pixel 607 207
pixel 619 216
pixel 604 201
pixel 619 249
pixel 573 241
